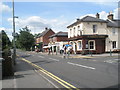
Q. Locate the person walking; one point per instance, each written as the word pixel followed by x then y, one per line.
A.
pixel 64 53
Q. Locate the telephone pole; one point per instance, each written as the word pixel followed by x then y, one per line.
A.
pixel 14 34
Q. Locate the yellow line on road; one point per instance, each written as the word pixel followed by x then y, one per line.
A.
pixel 56 80
pixel 62 82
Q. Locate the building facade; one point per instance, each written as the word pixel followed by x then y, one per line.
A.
pixel 94 35
pixel 43 38
pixel 57 40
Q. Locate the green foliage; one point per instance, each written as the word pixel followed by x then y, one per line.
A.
pixel 25 40
pixel 5 40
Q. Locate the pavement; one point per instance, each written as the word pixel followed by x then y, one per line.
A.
pixel 25 77
pixel 83 56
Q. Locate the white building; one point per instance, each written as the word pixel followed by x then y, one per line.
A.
pixel 94 34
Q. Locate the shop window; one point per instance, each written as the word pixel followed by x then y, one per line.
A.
pixel 79 44
pixel 91 44
pixel 114 44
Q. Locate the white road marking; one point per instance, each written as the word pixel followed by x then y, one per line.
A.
pixel 47 79
pixel 54 59
pixel 41 56
pixel 111 61
pixel 117 59
pixel 81 65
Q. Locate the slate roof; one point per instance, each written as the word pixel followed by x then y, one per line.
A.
pixel 43 33
pixel 60 34
pixel 113 23
pixel 87 19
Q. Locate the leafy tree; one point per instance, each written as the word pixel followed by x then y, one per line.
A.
pixel 6 43
pixel 25 39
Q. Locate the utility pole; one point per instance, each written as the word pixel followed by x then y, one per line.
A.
pixel 14 34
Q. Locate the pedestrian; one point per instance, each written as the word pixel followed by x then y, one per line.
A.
pixel 64 53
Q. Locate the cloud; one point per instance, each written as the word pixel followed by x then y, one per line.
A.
pixel 104 14
pixel 37 24
pixel 5 8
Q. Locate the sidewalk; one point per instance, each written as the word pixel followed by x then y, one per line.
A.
pixel 85 56
pixel 25 77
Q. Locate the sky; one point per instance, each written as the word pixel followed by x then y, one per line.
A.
pixel 54 15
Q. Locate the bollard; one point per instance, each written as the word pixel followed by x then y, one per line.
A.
pixel 110 52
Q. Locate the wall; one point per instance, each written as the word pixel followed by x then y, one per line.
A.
pixel 112 37
pixel 46 37
pixel 88 28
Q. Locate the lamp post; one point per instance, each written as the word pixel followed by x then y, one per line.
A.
pixel 14 34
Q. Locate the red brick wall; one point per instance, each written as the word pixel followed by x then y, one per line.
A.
pixel 46 37
pixel 58 39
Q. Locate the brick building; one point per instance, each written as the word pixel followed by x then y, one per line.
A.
pixel 43 38
pixel 57 40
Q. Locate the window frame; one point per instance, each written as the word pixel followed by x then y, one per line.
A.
pixel 113 31
pixel 93 44
pixel 114 44
pixel 94 28
pixel 78 45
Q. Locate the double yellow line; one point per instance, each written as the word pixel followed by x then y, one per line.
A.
pixel 60 81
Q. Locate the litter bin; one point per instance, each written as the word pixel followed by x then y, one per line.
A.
pixel 7 67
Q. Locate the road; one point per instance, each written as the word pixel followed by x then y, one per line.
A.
pixel 79 72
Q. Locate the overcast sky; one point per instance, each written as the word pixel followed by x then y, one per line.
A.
pixel 54 15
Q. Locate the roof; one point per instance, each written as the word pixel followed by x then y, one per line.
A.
pixel 113 23
pixel 60 34
pixel 44 32
pixel 87 19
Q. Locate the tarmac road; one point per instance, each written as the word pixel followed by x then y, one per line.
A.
pixel 79 72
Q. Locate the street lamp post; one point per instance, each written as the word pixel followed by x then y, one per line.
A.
pixel 14 34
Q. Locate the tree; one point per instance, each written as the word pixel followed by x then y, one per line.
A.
pixel 25 39
pixel 6 43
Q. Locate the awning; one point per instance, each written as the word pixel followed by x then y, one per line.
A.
pixel 46 46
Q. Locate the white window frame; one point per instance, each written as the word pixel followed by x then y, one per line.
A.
pixel 74 29
pixel 113 31
pixel 114 47
pixel 89 44
pixel 95 28
pixel 70 32
pixel 78 44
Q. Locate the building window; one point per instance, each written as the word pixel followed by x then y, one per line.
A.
pixel 79 44
pixel 78 27
pixel 114 44
pixel 91 44
pixel 113 31
pixel 74 31
pixel 70 32
pixel 94 28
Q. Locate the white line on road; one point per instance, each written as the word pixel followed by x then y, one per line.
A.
pixel 54 59
pixel 81 65
pixel 41 56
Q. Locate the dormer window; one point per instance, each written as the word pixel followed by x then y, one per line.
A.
pixel 94 28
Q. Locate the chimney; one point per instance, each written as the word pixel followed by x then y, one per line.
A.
pixel 97 15
pixel 110 16
pixel 46 28
pixel 78 19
